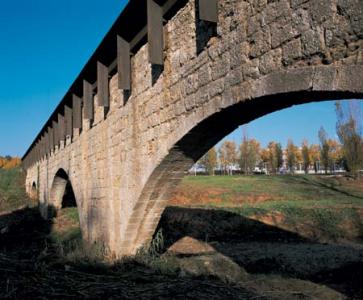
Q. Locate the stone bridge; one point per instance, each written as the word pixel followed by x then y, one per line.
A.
pixel 169 80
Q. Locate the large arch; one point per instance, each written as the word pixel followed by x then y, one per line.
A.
pixel 276 91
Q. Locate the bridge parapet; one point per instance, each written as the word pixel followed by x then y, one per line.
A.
pixel 113 56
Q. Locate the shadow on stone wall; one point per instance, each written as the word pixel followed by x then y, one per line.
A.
pixel 204 30
pixel 156 71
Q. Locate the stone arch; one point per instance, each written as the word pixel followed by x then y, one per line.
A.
pixel 277 91
pixel 62 193
pixel 33 191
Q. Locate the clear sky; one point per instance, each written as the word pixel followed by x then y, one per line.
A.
pixel 298 123
pixel 45 44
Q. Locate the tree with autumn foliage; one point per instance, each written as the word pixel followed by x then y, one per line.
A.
pixel 265 158
pixel 324 149
pixel 271 157
pixel 278 157
pixel 228 156
pixel 330 152
pixel 275 156
pixel 349 131
pixel 306 156
pixel 292 155
pixel 9 162
pixel 209 161
pixel 335 154
pixel 249 154
pixel 315 156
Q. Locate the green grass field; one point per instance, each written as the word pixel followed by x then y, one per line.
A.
pixel 12 189
pixel 287 188
pixel 331 205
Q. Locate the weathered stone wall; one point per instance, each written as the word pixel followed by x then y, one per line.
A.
pixel 266 55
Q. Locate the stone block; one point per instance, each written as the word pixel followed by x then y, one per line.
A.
pixel 271 61
pixel 260 42
pixel 312 42
pixel 291 52
pixel 281 33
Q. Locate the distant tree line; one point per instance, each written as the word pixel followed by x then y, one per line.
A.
pixel 8 162
pixel 249 156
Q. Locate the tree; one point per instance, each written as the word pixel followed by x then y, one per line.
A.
pixel 265 158
pixel 271 156
pixel 335 154
pixel 9 162
pixel 244 153
pixel 324 149
pixel 306 156
pixel 278 159
pixel 315 156
pixel 209 161
pixel 223 160
pixel 275 156
pixel 228 156
pixel 350 134
pixel 255 149
pixel 298 154
pixel 249 154
pixel 291 153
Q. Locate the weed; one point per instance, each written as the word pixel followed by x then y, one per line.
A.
pixel 153 250
pixel 151 256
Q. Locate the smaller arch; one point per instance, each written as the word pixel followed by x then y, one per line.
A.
pixel 33 191
pixel 61 193
pixel 63 207
pixel 69 198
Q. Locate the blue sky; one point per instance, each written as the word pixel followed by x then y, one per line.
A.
pixel 45 44
pixel 298 122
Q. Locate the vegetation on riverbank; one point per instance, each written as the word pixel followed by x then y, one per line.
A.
pixel 12 192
